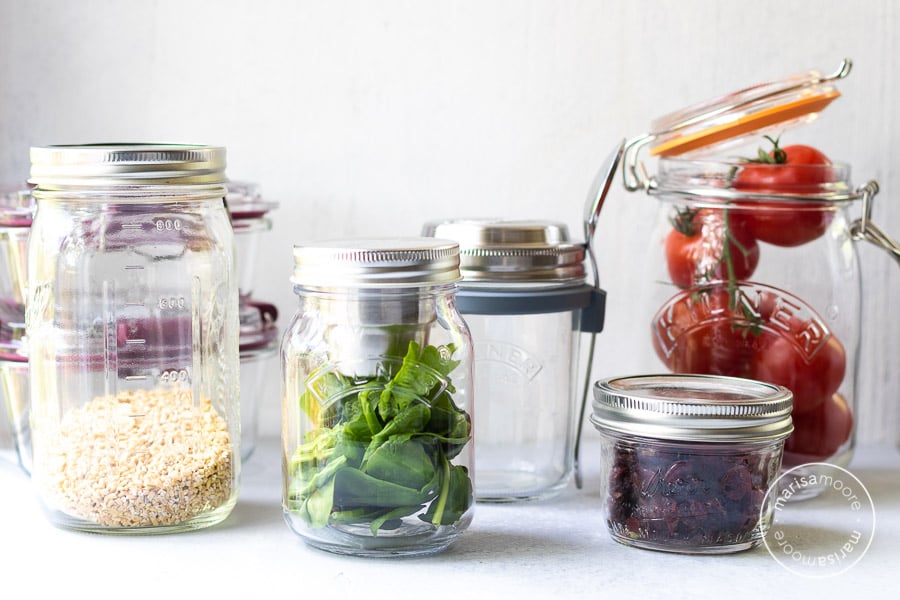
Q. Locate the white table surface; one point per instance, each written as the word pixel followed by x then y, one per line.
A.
pixel 556 547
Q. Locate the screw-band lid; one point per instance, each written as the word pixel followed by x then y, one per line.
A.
pixel 67 166
pixel 699 408
pixel 513 251
pixel 376 263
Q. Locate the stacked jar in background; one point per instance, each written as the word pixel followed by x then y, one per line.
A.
pixel 16 207
pixel 258 331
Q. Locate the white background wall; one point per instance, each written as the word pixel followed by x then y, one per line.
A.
pixel 368 118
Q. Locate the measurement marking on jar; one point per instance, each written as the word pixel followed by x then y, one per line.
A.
pixel 136 341
pixel 134 304
pixel 168 225
pixel 135 377
pixel 133 226
pixel 134 267
pixel 172 302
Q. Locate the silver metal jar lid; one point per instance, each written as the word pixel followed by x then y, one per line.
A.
pixel 697 408
pixel 63 167
pixel 513 251
pixel 376 263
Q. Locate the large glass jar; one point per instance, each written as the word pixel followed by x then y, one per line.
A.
pixel 525 297
pixel 754 271
pixel 377 398
pixel 132 328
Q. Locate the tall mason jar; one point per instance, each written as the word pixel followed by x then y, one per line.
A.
pixel 753 270
pixel 377 398
pixel 132 326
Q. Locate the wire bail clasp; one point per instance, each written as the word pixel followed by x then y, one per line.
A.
pixel 865 229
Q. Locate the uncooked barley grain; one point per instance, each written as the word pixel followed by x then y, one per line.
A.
pixel 139 459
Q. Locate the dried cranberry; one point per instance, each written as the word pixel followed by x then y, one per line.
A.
pixel 736 483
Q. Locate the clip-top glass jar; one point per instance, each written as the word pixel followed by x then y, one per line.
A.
pixel 687 460
pixel 754 269
pixel 526 301
pixel 132 327
pixel 377 398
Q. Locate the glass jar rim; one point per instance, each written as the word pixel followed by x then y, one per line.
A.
pixel 717 180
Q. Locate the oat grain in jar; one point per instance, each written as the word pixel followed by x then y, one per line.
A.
pixel 132 329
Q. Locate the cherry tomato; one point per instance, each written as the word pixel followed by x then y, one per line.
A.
pixel 716 347
pixel 813 381
pixel 709 245
pixel 703 335
pixel 795 169
pixel 819 434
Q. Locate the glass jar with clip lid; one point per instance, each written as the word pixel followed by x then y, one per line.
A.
pixel 754 268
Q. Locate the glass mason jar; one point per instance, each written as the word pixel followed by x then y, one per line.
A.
pixel 258 339
pixel 16 209
pixel 259 360
pixel 132 328
pixel 526 301
pixel 377 398
pixel 687 461
pixel 754 271
pixel 250 219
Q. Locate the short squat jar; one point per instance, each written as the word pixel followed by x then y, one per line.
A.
pixel 132 328
pixel 377 398
pixel 688 460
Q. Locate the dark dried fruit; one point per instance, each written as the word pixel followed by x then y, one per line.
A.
pixel 687 498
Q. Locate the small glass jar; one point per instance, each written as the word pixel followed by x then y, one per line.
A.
pixel 377 398
pixel 752 268
pixel 132 325
pixel 526 301
pixel 687 460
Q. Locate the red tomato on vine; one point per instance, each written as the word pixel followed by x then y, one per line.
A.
pixel 709 245
pixel 796 169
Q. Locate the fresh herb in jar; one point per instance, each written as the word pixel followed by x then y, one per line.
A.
pixel 383 445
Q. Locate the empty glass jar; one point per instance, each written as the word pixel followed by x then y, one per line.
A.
pixel 250 219
pixel 132 324
pixel 377 398
pixel 526 301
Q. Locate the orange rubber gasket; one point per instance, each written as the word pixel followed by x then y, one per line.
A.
pixel 746 124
